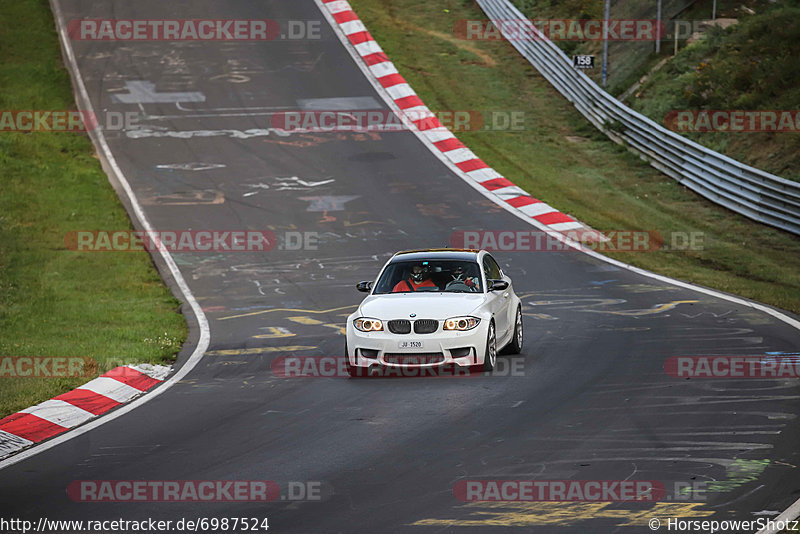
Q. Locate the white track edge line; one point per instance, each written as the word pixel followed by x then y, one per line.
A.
pixel 202 321
pixel 791 513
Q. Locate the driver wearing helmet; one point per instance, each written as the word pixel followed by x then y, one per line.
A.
pixel 461 277
pixel 418 278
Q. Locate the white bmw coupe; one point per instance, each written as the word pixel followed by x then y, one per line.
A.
pixel 435 307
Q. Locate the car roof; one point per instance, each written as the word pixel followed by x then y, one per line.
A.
pixel 437 254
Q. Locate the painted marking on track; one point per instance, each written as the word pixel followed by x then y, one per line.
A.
pixel 740 472
pixel 603 269
pixel 348 223
pixel 275 332
pixel 299 310
pixel 302 319
pixel 258 350
pixel 308 140
pixel 293 183
pixel 644 288
pixel 528 514
pixel 231 78
pixel 441 210
pixel 233 133
pixel 144 92
pixel 650 311
pixel 542 316
pixel 328 203
pixel 256 187
pixel 203 197
pixel 346 103
pixel 339 328
pixel 712 314
pixel 625 328
pixel 194 166
pixel 289 183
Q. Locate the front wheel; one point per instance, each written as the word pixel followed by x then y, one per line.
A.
pixel 490 357
pixel 515 347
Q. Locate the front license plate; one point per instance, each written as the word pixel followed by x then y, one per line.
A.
pixel 410 345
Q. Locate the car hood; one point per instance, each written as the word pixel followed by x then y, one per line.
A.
pixel 425 306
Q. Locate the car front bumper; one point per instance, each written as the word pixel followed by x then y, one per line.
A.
pixel 366 349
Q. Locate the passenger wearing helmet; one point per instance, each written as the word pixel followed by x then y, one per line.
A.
pixel 417 279
pixel 462 279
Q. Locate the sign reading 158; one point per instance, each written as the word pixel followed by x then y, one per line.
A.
pixel 583 62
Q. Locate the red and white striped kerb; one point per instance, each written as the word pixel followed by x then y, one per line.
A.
pixel 443 139
pixel 59 414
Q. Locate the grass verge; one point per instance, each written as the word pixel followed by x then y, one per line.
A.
pixel 111 307
pixel 560 158
pixel 752 65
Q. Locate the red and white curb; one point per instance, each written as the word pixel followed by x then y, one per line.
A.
pixel 59 414
pixel 443 139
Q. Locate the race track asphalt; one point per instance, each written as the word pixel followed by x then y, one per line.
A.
pixel 589 399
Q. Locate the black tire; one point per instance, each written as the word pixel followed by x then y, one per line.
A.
pixel 515 347
pixel 490 357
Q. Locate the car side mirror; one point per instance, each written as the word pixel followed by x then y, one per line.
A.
pixel 365 286
pixel 497 285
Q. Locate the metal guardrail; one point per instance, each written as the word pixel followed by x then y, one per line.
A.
pixel 754 193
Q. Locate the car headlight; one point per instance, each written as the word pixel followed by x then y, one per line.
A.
pixel 461 323
pixel 366 324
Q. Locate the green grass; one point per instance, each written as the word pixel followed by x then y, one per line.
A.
pixel 593 179
pixel 752 65
pixel 111 307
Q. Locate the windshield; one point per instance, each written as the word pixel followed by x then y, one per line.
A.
pixel 450 276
